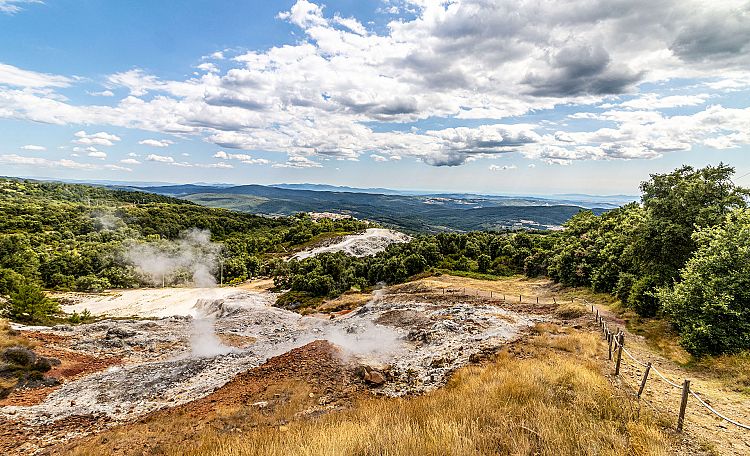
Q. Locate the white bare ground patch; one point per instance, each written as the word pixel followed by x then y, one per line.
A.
pixel 420 343
pixel 372 241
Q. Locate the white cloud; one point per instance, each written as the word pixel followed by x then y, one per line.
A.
pixel 33 147
pixel 654 101
pixel 244 158
pixel 14 159
pixel 100 139
pixel 378 158
pixel 160 158
pixel 117 168
pixel 14 6
pixel 103 93
pixel 298 162
pixel 318 97
pixel 13 76
pixel 130 161
pixel 97 154
pixel 501 168
pixel 156 142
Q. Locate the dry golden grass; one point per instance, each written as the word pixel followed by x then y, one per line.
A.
pixel 511 286
pixel 10 338
pixel 571 310
pixel 732 370
pixel 556 402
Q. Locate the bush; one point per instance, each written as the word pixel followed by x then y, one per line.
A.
pixel 711 305
pixel 642 297
pixel 29 304
pixel 624 284
pixel 10 281
pixel 92 283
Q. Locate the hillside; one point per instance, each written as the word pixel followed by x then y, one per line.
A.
pixel 413 213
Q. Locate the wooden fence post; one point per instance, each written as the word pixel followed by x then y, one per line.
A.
pixel 683 404
pixel 537 299
pixel 621 342
pixel 610 337
pixel 643 382
pixel 490 293
pixel 519 298
pixel 554 301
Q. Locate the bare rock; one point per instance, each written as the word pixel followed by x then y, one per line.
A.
pixel 374 377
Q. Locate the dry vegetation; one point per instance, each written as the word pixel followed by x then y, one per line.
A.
pixel 10 338
pixel 545 396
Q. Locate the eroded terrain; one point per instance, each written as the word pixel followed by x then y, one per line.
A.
pixel 177 347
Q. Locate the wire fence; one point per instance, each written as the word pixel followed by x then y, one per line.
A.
pixel 616 342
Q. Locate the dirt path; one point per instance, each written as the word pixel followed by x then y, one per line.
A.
pixel 724 437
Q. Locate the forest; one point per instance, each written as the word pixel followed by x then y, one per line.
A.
pixel 682 253
pixel 57 236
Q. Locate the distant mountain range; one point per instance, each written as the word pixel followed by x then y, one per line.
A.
pixel 409 212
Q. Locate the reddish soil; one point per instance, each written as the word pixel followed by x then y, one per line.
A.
pixel 305 382
pixel 72 365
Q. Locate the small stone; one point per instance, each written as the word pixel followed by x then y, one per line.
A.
pixel 260 404
pixel 311 395
pixel 374 377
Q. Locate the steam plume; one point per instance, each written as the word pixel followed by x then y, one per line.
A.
pixel 192 258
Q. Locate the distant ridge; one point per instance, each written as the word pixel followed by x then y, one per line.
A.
pixel 412 213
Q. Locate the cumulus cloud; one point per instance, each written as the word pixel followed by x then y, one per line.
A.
pixel 130 161
pixel 334 91
pixel 100 139
pixel 97 154
pixel 298 162
pixel 156 142
pixel 244 158
pixel 160 158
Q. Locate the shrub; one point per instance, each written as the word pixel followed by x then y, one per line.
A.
pixel 642 297
pixel 29 304
pixel 711 305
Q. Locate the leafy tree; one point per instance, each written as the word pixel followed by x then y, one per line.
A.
pixel 483 263
pixel 676 203
pixel 711 305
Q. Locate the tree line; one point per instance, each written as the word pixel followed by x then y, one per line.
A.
pixel 682 253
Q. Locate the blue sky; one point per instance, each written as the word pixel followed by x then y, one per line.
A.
pixel 479 96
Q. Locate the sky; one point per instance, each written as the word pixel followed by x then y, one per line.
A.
pixel 504 96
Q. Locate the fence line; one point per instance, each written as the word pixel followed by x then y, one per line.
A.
pixel 618 341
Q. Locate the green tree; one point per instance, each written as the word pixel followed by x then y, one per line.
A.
pixel 711 305
pixel 676 203
pixel 29 304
